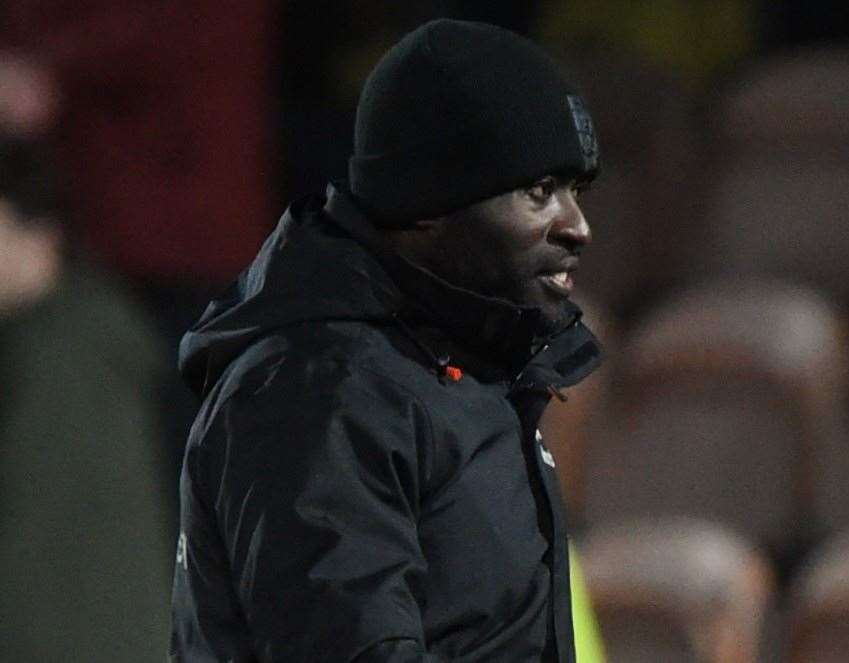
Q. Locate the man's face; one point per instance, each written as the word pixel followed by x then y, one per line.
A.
pixel 522 246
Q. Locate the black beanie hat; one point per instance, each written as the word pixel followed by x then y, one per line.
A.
pixel 458 112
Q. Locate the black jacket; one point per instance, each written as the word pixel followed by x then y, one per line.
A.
pixel 365 480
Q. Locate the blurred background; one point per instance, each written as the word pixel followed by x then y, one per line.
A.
pixel 146 148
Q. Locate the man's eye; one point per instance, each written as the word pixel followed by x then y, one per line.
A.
pixel 542 190
pixel 581 189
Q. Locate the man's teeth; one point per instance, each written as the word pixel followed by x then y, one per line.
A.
pixel 560 278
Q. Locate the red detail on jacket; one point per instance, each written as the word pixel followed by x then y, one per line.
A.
pixel 453 373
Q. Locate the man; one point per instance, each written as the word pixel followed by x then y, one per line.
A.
pixel 365 480
pixel 85 556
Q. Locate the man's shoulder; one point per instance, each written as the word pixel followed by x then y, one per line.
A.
pixel 344 366
pixel 290 382
pixel 328 359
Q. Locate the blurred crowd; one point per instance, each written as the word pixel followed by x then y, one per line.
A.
pixel 147 147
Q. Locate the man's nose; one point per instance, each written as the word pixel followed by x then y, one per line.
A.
pixel 570 226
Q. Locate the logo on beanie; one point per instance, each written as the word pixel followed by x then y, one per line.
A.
pixel 586 133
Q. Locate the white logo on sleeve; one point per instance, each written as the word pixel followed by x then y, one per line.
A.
pixel 182 553
pixel 547 458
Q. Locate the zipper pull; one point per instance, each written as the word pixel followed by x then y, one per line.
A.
pixel 559 395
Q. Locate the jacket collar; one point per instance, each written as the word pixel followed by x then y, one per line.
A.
pixel 501 333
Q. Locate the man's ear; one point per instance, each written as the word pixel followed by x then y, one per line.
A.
pixel 416 240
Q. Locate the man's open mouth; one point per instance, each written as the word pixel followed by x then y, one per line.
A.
pixel 559 282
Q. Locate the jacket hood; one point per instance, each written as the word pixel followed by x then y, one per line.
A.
pixel 307 270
